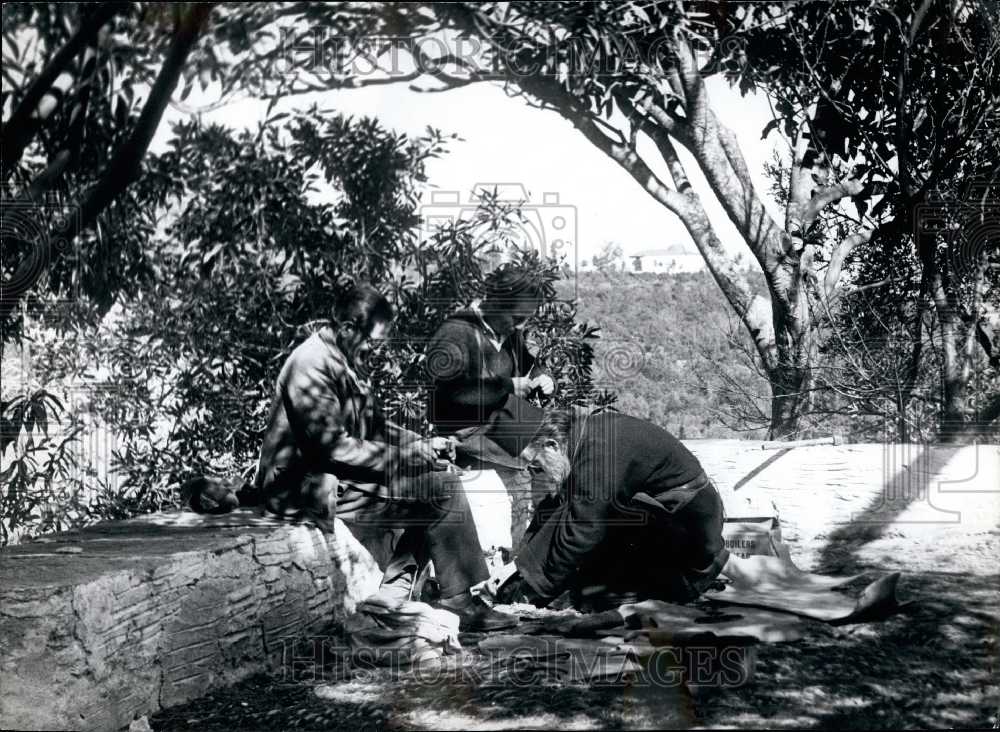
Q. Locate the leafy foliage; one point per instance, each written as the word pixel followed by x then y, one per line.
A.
pixel 259 232
pixel 50 482
pixel 904 89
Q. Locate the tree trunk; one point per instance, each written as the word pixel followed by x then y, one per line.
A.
pixel 786 401
pixel 954 420
pixel 791 376
pixel 990 413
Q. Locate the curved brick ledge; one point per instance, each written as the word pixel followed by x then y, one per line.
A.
pixel 118 620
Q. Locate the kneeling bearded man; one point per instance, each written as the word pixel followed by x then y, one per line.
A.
pixel 631 515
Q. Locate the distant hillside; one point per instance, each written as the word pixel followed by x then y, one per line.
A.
pixel 664 345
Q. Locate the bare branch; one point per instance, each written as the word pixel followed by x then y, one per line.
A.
pixel 718 154
pixel 633 164
pixel 670 123
pixel 735 156
pixel 827 195
pixel 799 189
pixel 660 136
pixel 839 256
pixel 695 96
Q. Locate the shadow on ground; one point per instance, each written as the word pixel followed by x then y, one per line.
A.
pixel 935 666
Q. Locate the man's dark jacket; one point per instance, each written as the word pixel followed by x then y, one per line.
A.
pixel 614 457
pixel 471 378
pixel 324 419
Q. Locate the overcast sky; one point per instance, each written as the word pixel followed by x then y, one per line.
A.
pixel 506 141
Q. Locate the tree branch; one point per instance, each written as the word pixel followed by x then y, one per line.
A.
pixel 735 156
pixel 725 169
pixel 827 195
pixel 839 256
pixel 124 166
pixel 47 178
pixel 975 333
pixel 695 97
pixel 17 133
pixel 799 188
pixel 628 159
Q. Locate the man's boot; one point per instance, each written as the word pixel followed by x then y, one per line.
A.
pixel 398 583
pixel 406 569
pixel 475 615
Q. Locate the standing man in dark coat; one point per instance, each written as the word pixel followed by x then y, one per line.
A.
pixel 633 515
pixel 481 371
pixel 329 451
pixel 478 359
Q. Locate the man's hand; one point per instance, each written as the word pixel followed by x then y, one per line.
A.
pixel 522 385
pixel 445 450
pixel 444 445
pixel 545 383
pixel 419 454
pixel 434 453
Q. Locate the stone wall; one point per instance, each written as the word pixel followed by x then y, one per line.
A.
pixel 103 625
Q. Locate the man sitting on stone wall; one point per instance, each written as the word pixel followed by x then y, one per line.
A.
pixel 328 451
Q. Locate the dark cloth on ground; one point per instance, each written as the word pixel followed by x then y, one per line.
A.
pixel 636 514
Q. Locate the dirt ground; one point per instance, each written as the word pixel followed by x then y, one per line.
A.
pixel 933 665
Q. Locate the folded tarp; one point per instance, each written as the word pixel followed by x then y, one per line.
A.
pixel 663 623
pixel 812 596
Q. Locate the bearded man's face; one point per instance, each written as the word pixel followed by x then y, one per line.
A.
pixel 548 464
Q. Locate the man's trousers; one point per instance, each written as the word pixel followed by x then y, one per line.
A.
pixel 430 507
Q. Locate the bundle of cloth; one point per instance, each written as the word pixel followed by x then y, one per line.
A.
pixel 401 633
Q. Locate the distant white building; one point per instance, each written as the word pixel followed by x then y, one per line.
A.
pixel 675 258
